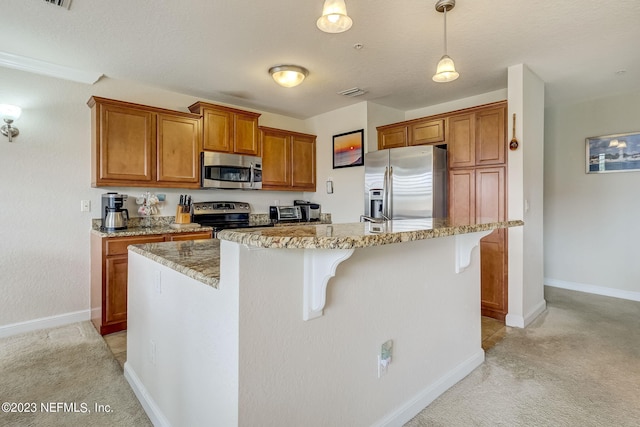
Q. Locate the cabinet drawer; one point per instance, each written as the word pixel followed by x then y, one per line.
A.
pixel 117 246
pixel 189 236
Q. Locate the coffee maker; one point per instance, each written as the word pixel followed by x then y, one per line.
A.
pixel 114 216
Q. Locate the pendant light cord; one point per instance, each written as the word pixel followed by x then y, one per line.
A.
pixel 445 30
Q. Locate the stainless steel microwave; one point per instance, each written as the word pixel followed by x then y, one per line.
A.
pixel 230 171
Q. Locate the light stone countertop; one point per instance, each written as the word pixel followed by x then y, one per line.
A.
pixel 356 235
pixel 200 259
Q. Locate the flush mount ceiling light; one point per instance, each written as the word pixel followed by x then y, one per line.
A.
pixel 334 17
pixel 9 113
pixel 288 75
pixel 446 71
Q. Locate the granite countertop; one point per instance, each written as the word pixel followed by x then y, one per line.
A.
pixel 356 235
pixel 198 259
pixel 159 225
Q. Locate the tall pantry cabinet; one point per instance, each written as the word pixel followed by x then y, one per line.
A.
pixel 476 150
pixel 476 145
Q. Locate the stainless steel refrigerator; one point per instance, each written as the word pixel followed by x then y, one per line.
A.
pixel 406 183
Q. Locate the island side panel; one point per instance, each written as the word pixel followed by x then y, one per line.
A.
pixel 324 371
pixel 182 345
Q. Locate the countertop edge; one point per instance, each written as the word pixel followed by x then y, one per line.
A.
pixel 253 238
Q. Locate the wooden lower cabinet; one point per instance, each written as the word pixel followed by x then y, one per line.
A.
pixel 109 269
pixel 479 195
pixel 493 275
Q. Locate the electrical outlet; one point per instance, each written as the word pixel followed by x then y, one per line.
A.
pixel 85 205
pixel 384 358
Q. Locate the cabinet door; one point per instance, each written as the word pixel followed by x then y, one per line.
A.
pixel 490 205
pixel 115 289
pixel 246 138
pixel 303 163
pixel 178 149
pixel 218 128
pixel 428 132
pixel 393 137
pixel 490 136
pixel 490 194
pixel 126 145
pixel 493 275
pixel 462 196
pixel 276 159
pixel 461 141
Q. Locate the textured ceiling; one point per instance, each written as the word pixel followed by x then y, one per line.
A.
pixel 221 49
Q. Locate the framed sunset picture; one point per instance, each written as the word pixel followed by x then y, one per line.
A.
pixel 348 149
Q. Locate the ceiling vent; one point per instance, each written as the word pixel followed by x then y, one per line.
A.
pixel 62 3
pixel 354 91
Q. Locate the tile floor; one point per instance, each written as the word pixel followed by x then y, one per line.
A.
pixel 117 343
pixel 492 331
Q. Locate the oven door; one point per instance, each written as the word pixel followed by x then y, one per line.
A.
pixel 231 171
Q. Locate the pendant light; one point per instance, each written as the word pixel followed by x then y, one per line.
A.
pixel 288 75
pixel 334 17
pixel 446 71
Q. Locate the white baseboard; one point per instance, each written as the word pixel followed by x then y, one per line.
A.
pixel 413 407
pixel 523 321
pixel 150 407
pixel 592 289
pixel 44 323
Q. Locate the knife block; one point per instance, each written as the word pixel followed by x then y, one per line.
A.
pixel 183 216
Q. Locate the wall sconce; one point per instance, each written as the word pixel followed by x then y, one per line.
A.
pixel 334 17
pixel 288 75
pixel 9 113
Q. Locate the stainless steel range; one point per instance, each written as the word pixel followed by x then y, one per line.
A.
pixel 223 215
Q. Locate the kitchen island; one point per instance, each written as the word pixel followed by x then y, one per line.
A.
pixel 286 328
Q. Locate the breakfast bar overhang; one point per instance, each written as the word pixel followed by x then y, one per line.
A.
pixel 289 330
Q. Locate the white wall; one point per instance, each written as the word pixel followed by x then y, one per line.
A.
pixel 347 182
pixel 458 104
pixel 45 173
pixel 525 196
pixel 591 220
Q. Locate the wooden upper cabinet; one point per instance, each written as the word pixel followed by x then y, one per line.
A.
pixel 123 143
pixel 490 136
pixel 393 137
pixel 461 141
pixel 178 149
pixel 276 158
pixel 228 130
pixel 426 132
pixel 137 145
pixel 288 160
pixel 217 127
pixel 246 138
pixel 303 162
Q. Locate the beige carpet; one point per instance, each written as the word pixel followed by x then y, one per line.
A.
pixel 66 371
pixel 578 364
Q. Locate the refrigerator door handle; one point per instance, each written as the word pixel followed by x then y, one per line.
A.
pixel 390 194
pixel 385 192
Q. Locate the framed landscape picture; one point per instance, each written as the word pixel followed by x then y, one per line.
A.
pixel 613 153
pixel 348 149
